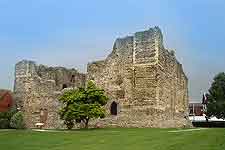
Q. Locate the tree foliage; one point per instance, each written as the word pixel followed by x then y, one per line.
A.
pixel 17 121
pixel 5 118
pixel 82 104
pixel 216 97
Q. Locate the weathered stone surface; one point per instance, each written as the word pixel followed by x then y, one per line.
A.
pixel 37 89
pixel 145 80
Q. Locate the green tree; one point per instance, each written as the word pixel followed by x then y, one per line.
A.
pixel 216 97
pixel 80 105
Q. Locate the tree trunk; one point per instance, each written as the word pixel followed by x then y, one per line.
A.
pixel 207 119
pixel 86 123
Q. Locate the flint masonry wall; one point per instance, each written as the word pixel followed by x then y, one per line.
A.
pixel 145 80
pixel 37 88
pixel 142 78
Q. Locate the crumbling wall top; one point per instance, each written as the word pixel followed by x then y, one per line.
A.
pixel 62 76
pixel 25 68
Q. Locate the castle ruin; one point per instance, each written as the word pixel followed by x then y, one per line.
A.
pixel 146 85
pixel 37 88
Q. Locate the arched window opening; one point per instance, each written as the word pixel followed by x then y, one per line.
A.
pixel 64 86
pixel 113 108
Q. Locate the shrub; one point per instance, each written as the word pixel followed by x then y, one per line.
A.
pixel 5 118
pixel 17 121
pixel 4 124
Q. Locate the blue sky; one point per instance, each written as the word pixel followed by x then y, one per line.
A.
pixel 72 33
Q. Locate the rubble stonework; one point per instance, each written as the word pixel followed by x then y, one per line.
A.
pixel 37 88
pixel 145 81
pixel 146 85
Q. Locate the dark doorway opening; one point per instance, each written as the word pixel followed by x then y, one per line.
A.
pixel 113 109
pixel 64 86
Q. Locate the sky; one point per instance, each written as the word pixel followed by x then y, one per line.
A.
pixel 72 33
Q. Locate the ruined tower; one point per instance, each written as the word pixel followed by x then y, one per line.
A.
pixel 146 84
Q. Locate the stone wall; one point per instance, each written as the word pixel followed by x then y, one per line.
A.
pixel 37 89
pixel 145 80
pixel 146 85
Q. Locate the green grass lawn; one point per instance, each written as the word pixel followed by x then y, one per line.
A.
pixel 114 139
